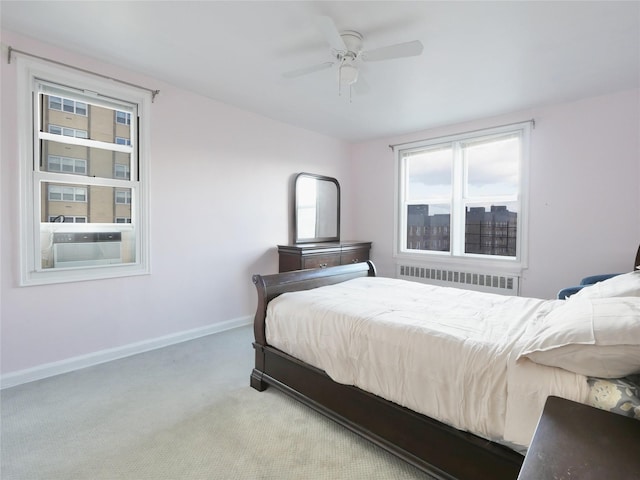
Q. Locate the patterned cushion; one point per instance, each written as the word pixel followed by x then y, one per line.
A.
pixel 617 395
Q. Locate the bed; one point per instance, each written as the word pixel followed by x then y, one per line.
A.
pixel 397 400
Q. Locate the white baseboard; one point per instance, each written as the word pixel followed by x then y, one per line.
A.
pixel 82 361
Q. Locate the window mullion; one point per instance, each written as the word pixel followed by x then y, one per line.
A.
pixel 404 204
pixel 457 203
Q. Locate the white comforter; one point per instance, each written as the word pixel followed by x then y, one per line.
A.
pixel 444 352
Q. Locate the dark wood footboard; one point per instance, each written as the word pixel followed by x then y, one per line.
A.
pixel 432 446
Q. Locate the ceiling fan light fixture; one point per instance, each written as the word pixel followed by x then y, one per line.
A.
pixel 348 74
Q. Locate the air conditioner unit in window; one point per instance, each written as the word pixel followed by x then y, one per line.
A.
pixel 82 249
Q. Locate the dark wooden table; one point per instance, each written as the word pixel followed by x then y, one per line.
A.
pixel 577 442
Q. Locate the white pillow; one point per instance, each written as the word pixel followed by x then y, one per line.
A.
pixel 597 337
pixel 624 285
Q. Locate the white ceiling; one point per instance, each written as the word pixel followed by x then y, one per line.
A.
pixel 480 58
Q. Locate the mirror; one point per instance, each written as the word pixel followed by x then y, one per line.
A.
pixel 316 209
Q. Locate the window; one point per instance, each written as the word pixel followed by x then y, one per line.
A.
pixel 123 197
pixel 58 193
pixel 67 132
pixel 67 105
pixel 67 219
pixel 56 163
pixel 80 183
pixel 462 198
pixel 121 171
pixel 123 117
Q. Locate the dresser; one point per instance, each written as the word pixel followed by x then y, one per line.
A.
pixel 321 255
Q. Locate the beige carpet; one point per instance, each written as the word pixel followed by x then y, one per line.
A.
pixel 181 412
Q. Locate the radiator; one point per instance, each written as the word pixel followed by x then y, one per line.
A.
pixel 482 282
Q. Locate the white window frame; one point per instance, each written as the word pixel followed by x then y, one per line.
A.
pixel 29 70
pixel 455 258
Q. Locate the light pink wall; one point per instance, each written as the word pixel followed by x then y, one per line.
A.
pixel 220 193
pixel 584 190
pixel 220 203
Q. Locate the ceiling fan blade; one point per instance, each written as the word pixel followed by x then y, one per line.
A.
pixel 330 32
pixel 306 70
pixel 408 49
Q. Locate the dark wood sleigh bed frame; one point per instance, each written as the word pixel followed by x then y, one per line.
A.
pixel 433 447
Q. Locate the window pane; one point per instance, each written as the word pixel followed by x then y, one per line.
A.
pixel 81 108
pixel 67 206
pixel 76 244
pixel 429 174
pixel 121 171
pixel 123 196
pixel 429 227
pixel 123 117
pixel 55 103
pixel 79 160
pixel 69 194
pixel 68 105
pixel 491 229
pixel 95 123
pixel 97 204
pixel 72 132
pixel 54 164
pixel 492 167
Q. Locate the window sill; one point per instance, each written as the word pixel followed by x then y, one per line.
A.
pixel 53 276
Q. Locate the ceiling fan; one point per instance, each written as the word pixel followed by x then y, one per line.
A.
pixel 347 49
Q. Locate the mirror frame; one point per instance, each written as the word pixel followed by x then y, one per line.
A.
pixel 296 236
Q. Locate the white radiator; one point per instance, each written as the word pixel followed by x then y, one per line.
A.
pixel 482 282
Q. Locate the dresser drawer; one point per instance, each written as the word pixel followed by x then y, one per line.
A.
pixel 354 256
pixel 320 261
